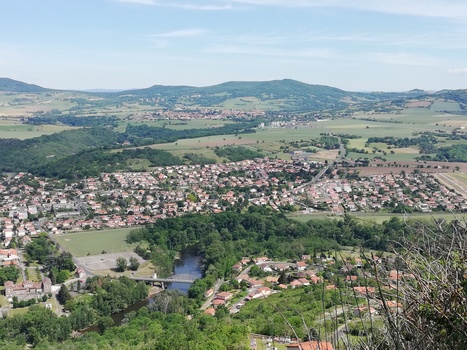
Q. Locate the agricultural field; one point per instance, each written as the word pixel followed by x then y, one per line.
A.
pixel 176 124
pixel 270 140
pixel 445 106
pixel 380 217
pixel 416 117
pixel 14 129
pixel 461 177
pixel 25 104
pixel 204 146
pixel 457 181
pixel 248 103
pixel 95 242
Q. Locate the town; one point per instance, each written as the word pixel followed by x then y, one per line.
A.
pixel 31 205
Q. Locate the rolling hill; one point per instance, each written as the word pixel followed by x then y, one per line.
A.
pixel 285 95
pixel 10 85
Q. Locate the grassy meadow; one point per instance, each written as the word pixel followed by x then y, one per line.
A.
pixel 270 140
pixel 175 124
pixel 94 242
pixel 380 217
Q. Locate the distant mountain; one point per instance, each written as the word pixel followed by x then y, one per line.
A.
pixel 454 95
pixel 7 84
pixel 285 95
pixel 102 90
pixel 278 88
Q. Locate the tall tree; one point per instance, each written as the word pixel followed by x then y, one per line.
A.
pixel 63 295
pixel 121 264
pixel 134 264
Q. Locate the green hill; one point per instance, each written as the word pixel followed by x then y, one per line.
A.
pixel 22 155
pixel 11 85
pixel 290 94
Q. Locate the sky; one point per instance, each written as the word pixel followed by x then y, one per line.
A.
pixel 355 45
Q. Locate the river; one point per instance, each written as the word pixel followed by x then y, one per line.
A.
pixel 188 263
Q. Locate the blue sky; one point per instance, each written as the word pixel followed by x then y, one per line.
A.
pixel 358 45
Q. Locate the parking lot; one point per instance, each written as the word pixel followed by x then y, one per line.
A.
pixel 108 261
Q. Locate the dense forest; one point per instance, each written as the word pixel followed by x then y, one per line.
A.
pixel 46 149
pixel 237 154
pixel 47 155
pixel 92 163
pixel 404 142
pixel 143 134
pixel 455 153
pixel 72 120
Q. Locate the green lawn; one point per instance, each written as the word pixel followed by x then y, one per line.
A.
pixel 94 242
pixel 33 274
pixel 20 311
pixel 3 301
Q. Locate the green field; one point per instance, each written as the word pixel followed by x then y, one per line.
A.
pixel 462 177
pixel 441 106
pixel 380 217
pixel 176 124
pixel 11 129
pixel 270 140
pixel 94 242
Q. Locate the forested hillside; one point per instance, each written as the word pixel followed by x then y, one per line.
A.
pixel 23 155
pixel 47 155
pixel 93 163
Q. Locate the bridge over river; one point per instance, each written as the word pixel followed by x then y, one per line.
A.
pixel 179 278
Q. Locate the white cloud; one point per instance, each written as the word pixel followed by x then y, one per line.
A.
pixel 402 58
pixel 458 71
pixel 203 7
pixel 139 2
pixel 455 9
pixel 254 50
pixel 187 6
pixel 183 33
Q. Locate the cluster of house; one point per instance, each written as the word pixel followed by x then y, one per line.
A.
pixel 129 199
pixel 304 275
pixel 202 114
pixel 136 198
pixel 261 288
pixel 9 257
pixel 419 191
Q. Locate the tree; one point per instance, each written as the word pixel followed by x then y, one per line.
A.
pixel 62 276
pixel 134 264
pixel 9 273
pixel 53 274
pixel 104 323
pixel 434 294
pixel 121 264
pixel 282 278
pixel 63 295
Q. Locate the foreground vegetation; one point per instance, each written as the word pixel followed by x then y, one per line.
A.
pixel 223 239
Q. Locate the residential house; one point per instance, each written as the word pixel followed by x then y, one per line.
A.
pixel 295 284
pixel 301 266
pixel 28 288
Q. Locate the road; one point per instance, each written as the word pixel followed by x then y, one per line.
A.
pixel 209 300
pixel 342 153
